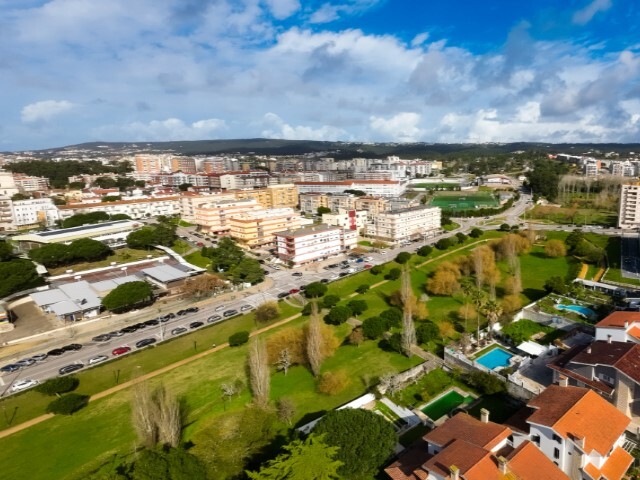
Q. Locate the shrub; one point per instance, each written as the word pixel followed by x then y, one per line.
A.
pixel 332 383
pixel 475 233
pixel 306 310
pixel 364 288
pixel 57 385
pixel 505 227
pixel 330 301
pixel 338 315
pixel 267 311
pixel 427 331
pixel 425 250
pixel 393 343
pixel 393 316
pixel 461 237
pixel 376 269
pixel 239 338
pixel 393 274
pixel 485 382
pixel 374 327
pixel 68 404
pixel 357 307
pixel 403 257
pixel 556 285
pixel 443 244
pixel 555 248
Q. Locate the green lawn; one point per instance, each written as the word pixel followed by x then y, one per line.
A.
pixel 181 247
pixel 120 255
pixel 197 259
pixel 614 274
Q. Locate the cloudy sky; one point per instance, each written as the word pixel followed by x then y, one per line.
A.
pixel 73 71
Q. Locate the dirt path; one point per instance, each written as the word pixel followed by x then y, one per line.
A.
pixel 34 421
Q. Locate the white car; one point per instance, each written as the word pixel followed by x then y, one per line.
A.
pixel 383 252
pixel 334 277
pixel 368 259
pixel 98 359
pixel 23 385
pixel 220 307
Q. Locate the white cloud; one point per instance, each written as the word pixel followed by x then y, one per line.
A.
pixel 419 39
pixel 282 9
pixel 164 130
pixel 584 15
pixel 277 128
pixel 325 14
pixel 529 112
pixel 402 127
pixel 44 110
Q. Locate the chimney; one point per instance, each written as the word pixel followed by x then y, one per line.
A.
pixel 454 472
pixel 579 441
pixel 484 415
pixel 563 381
pixel 589 349
pixel 608 338
pixel 626 324
pixel 502 465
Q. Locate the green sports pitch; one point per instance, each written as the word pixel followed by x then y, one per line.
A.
pixel 456 201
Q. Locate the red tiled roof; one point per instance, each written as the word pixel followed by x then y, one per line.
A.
pixel 634 331
pixel 527 462
pixel 617 464
pixel 459 453
pixel 575 412
pixel 462 425
pixel 617 319
pixel 351 182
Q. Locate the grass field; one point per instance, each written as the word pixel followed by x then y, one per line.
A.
pixel 198 260
pixel 568 216
pixel 455 201
pixel 437 186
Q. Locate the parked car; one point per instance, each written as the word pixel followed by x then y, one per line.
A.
pixel 193 325
pixel 180 313
pixel 178 330
pixel 368 265
pixel 293 291
pixel 335 277
pixel 12 367
pixel 303 287
pixel 192 310
pixel 343 274
pixel 26 362
pixel 214 319
pixel 360 260
pixel 230 313
pixel 23 385
pixel 245 308
pixel 139 326
pixel 152 322
pixel 283 294
pixel 117 333
pixel 324 280
pixel 220 307
pixel 105 337
pixel 368 259
pixel 72 347
pixel 383 252
pixel 56 352
pixel 70 368
pixel 40 357
pixel 120 351
pixel 97 359
pixel 296 274
pixel 145 341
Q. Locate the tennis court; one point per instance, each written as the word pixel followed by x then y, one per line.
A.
pixel 464 201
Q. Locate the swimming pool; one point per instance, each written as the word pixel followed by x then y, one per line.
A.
pixel 443 405
pixel 495 358
pixel 584 311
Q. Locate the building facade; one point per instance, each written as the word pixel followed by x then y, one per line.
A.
pixel 383 188
pixel 348 219
pixel 214 217
pixel 306 245
pixel 256 228
pixel 405 225
pixel 273 196
pixel 629 214
pixel 34 212
pixel 136 209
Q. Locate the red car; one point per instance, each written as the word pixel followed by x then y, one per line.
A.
pixel 120 351
pixel 293 291
pixel 368 265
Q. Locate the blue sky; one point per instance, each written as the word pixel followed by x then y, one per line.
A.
pixel 73 71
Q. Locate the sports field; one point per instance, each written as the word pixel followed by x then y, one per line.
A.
pixel 463 201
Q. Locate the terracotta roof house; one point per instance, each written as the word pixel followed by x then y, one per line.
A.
pixel 578 430
pixel 619 327
pixel 464 448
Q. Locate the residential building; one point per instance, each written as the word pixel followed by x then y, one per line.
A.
pixel 464 448
pixel 27 183
pixel 189 201
pixel 256 228
pixel 241 180
pixel 619 326
pixel 372 205
pixel 311 244
pixel 8 187
pixel 611 369
pixel 576 429
pixel 406 224
pixel 384 188
pixel 629 214
pixel 496 181
pixel 34 212
pixel 349 219
pixel 151 163
pixel 135 208
pixel 6 213
pixel 213 217
pixel 310 202
pixel 591 167
pixel 183 164
pixel 274 196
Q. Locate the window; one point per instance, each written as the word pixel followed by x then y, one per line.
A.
pixel 556 453
pixel 557 438
pixel 536 439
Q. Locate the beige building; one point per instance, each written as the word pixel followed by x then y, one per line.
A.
pixel 274 196
pixel 309 202
pixel 406 224
pixel 373 205
pixel 629 215
pixel 27 183
pixel 256 228
pixel 214 217
pixel 189 201
pixel 349 219
pixel 183 164
pixel 311 244
pixel 136 209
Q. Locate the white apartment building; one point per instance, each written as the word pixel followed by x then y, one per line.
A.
pixel 348 219
pixel 256 228
pixel 406 224
pixel 629 214
pixel 591 167
pixel 8 186
pixel 384 188
pixel 311 244
pixel 27 183
pixel 136 209
pixel 34 212
pixel 189 201
pixel 6 213
pixel 242 180
pixel 309 202
pixel 213 217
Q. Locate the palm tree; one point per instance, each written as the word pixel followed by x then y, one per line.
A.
pixel 479 299
pixel 492 310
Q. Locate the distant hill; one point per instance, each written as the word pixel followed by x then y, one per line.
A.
pixel 263 146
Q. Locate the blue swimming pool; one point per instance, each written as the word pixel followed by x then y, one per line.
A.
pixel 495 358
pixel 584 311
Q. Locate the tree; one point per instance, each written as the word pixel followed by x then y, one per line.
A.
pixel 364 288
pixel 286 410
pixel 238 338
pixel 356 337
pixel 309 459
pixel 156 416
pixel 394 274
pixel 426 332
pixel 225 255
pixel 393 317
pixel 403 257
pixel 573 239
pixel 492 310
pixel 248 270
pixel 18 274
pixel 357 307
pixel 505 227
pixel 19 196
pixel 323 210
pixel 443 282
pixel 80 219
pixel 291 339
pixel 332 383
pixel 461 237
pixel 443 243
pixel 6 251
pixel 338 315
pixel 68 404
pixel 330 301
pixel 555 248
pixel 408 328
pixel 52 255
pixel 425 251
pixel 169 463
pixel 314 341
pixel 105 182
pixel 58 385
pixel 365 440
pixel 110 198
pixel 183 187
pixel 259 372
pixel 88 250
pixel 127 296
pixel 267 311
pixel 374 327
pixel 511 303
pixel 141 239
pixel 315 290
pixel 376 269
pixel 485 382
pixel 556 285
pixel 202 286
pixel 475 233
pixel 76 185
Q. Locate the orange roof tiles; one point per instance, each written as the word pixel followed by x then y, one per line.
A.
pixel 617 464
pixel 617 319
pixel 575 412
pixel 527 462
pixel 486 435
pixel 634 331
pixel 460 453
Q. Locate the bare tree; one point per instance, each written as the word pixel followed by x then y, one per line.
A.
pixel 389 383
pixel 286 410
pixel 408 336
pixel 284 360
pixel 168 417
pixel 259 372
pixel 143 415
pixel 314 340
